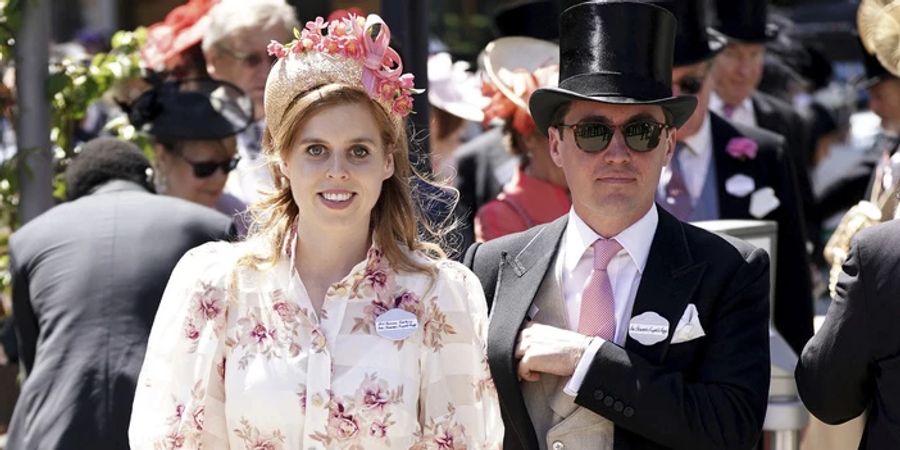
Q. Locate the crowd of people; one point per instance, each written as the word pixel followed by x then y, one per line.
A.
pixel 278 275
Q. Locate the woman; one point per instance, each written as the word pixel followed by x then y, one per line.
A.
pixel 332 326
pixel 537 193
pixel 193 124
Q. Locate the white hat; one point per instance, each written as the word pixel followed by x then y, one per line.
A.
pixel 453 89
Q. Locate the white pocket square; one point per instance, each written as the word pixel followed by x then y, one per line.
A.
pixel 689 327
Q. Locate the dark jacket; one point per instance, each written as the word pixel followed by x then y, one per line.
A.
pixel 88 276
pixel 708 393
pixel 852 365
pixel 793 305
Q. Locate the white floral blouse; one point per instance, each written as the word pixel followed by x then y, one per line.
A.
pixel 238 358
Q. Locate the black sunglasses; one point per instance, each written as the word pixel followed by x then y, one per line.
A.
pixel 594 137
pixel 203 169
pixel 691 84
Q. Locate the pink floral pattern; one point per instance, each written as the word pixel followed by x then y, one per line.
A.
pixel 293 377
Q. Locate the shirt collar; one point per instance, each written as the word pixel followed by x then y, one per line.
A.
pixel 634 239
pixel 701 141
pixel 716 103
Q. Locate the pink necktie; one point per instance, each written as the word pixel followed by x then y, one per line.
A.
pixel 598 308
pixel 728 110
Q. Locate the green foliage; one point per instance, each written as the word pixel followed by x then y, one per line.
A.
pixel 72 87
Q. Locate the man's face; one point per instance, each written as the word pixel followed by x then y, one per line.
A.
pixel 242 59
pixel 617 181
pixel 737 71
pixel 693 80
pixel 884 100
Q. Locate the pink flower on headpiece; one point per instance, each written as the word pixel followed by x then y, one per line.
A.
pixel 365 41
pixel 402 105
pixel 317 26
pixel 276 49
pixel 742 148
pixel 406 81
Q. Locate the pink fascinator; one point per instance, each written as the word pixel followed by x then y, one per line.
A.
pixel 351 51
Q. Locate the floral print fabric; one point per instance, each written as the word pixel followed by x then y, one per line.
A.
pixel 238 358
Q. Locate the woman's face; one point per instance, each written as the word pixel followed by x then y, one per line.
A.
pixel 184 180
pixel 336 167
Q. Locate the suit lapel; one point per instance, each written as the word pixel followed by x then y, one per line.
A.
pixel 518 280
pixel 667 284
pixel 764 114
pixel 730 206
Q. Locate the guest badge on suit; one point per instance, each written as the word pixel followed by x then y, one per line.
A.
pixel 740 185
pixel 648 328
pixel 396 324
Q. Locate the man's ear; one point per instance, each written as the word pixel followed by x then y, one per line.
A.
pixel 555 143
pixel 670 143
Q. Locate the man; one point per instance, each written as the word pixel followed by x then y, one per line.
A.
pixel 484 165
pixel 852 365
pixel 235 51
pixel 722 170
pixel 736 75
pixel 872 183
pixel 664 344
pixel 87 277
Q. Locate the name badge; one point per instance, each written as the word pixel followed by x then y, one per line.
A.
pixel 396 324
pixel 648 328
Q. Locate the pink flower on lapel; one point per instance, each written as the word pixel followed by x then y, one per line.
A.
pixel 742 148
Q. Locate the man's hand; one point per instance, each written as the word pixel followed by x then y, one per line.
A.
pixel 542 348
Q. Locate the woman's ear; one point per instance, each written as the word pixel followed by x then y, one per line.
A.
pixel 388 166
pixel 162 157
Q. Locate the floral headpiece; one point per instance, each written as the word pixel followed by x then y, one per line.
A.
pixel 351 51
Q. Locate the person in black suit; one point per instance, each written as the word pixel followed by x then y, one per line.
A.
pixel 737 72
pixel 660 343
pixel 724 170
pixel 852 365
pixel 87 277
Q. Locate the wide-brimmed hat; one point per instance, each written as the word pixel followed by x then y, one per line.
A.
pixel 615 53
pixel 501 57
pixel 693 42
pixel 452 88
pixel 744 21
pixel 514 68
pixel 201 109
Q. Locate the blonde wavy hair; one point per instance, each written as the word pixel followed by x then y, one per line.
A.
pixel 394 218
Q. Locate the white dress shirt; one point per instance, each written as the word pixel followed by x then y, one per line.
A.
pixel 743 113
pixel 695 159
pixel 573 268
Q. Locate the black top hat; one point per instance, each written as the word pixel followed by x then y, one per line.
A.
pixel 744 21
pixel 616 53
pixel 692 41
pixel 200 110
pixel 528 18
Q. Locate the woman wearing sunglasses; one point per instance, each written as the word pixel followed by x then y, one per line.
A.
pixel 332 326
pixel 537 192
pixel 193 124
